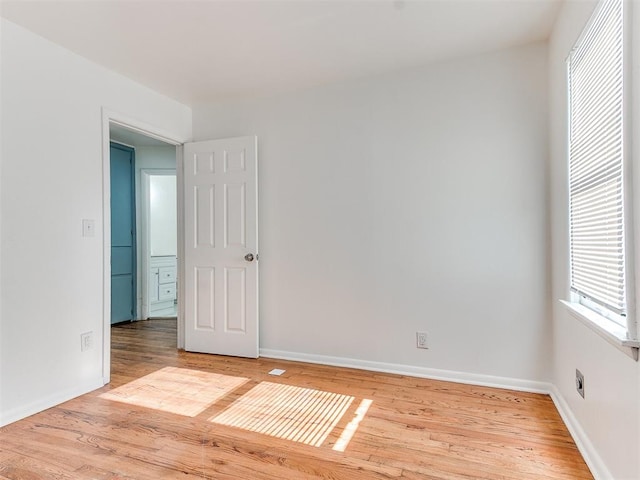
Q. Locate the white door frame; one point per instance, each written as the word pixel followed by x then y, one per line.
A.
pixel 143 234
pixel 172 138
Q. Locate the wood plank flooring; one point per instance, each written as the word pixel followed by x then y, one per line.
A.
pixel 175 415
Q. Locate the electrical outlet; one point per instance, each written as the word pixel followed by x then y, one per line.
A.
pixel 421 340
pixel 580 382
pixel 86 341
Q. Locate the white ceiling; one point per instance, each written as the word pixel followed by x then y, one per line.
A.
pixel 198 51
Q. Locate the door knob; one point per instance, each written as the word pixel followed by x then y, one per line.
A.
pixel 249 257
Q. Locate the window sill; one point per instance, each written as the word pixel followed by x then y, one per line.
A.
pixel 612 333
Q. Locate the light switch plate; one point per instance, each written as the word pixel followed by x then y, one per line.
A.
pixel 88 228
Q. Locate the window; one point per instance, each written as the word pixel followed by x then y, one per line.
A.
pixel 599 280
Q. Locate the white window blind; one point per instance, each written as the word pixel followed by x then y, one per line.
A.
pixel 595 68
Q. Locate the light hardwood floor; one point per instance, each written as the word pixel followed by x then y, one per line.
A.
pixel 175 415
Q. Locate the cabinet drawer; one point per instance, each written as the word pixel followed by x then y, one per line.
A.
pixel 167 292
pixel 167 274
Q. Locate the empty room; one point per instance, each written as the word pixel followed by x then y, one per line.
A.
pixel 344 239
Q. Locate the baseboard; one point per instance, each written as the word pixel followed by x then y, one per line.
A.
pixel 15 414
pixel 593 460
pixel 413 371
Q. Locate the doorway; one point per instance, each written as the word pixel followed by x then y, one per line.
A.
pixel 225 190
pixel 159 247
pixel 154 218
pixel 152 152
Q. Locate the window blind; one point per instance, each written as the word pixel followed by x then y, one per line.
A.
pixel 595 68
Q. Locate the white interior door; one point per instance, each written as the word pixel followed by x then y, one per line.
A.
pixel 221 247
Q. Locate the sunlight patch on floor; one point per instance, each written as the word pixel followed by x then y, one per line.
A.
pixel 351 428
pixel 176 390
pixel 292 413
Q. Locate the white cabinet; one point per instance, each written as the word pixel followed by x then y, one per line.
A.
pixel 162 286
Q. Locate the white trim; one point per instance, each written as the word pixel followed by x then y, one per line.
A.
pixel 108 117
pixel 180 259
pixel 591 457
pixel 23 411
pixel 132 147
pixel 613 333
pixel 141 127
pixel 633 140
pixel 628 161
pixel 413 371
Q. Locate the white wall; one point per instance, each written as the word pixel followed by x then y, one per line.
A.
pixel 413 201
pixel 158 157
pixel 154 157
pixel 608 418
pixel 163 220
pixel 1 163
pixel 52 277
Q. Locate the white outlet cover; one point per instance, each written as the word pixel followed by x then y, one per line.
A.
pixel 422 339
pixel 86 341
pixel 277 372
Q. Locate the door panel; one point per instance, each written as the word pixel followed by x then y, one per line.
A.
pixel 204 216
pixel 221 227
pixel 123 269
pixel 235 215
pixel 121 260
pixel 235 286
pixel 121 301
pixel 204 301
